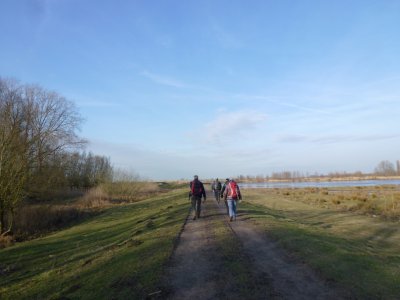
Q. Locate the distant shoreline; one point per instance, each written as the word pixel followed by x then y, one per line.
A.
pixel 300 179
pixel 325 179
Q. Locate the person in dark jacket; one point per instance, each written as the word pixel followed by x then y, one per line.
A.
pixel 216 187
pixel 197 191
pixel 222 195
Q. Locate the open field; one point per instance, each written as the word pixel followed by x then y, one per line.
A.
pixel 350 239
pixel 355 246
pixel 118 254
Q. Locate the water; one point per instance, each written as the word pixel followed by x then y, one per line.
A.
pixel 317 184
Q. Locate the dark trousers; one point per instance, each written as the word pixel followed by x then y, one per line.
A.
pixel 217 195
pixel 196 205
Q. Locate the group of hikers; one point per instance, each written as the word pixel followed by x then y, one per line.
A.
pixel 229 192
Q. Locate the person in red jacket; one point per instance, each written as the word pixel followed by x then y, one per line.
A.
pixel 196 193
pixel 232 195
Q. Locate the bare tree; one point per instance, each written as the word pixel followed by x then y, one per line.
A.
pixel 12 151
pixel 53 123
pixel 385 168
pixel 36 128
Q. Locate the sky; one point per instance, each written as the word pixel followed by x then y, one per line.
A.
pixel 169 89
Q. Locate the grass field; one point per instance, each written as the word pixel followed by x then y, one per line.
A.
pixel 119 254
pixel 352 237
pixel 358 250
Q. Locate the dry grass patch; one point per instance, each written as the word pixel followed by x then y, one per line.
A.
pixel 383 201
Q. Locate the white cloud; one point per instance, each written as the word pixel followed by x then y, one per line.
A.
pixel 230 126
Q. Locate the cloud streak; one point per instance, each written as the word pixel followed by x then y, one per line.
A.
pixel 279 101
pixel 333 139
pixel 164 80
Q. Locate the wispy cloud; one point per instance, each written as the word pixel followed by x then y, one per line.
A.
pixel 282 102
pixel 164 80
pixel 332 139
pixel 229 126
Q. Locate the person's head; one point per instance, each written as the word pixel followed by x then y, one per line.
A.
pixel 227 180
pixel 216 179
pixel 196 177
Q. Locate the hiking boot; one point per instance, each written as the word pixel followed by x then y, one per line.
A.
pixel 194 218
pixel 231 219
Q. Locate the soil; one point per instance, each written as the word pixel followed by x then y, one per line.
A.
pixel 197 269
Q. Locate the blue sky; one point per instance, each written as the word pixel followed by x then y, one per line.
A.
pixel 169 89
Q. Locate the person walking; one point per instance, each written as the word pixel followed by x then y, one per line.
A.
pixel 216 188
pixel 232 195
pixel 197 191
pixel 222 195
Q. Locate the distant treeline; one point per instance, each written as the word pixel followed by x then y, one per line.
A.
pixel 384 169
pixel 40 148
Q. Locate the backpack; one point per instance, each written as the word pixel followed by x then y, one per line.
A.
pixel 196 188
pixel 233 190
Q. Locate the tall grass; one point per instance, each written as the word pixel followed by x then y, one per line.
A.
pixel 130 191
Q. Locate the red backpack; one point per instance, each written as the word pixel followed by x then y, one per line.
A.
pixel 233 190
pixel 196 188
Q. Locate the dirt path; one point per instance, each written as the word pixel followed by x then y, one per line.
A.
pixel 191 273
pixel 197 269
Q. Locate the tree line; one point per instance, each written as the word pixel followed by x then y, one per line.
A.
pixel 383 168
pixel 40 147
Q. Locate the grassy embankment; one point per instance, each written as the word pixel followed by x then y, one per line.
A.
pixel 351 237
pixel 63 208
pixel 117 254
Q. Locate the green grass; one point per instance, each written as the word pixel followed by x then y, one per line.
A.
pixel 119 254
pixel 360 253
